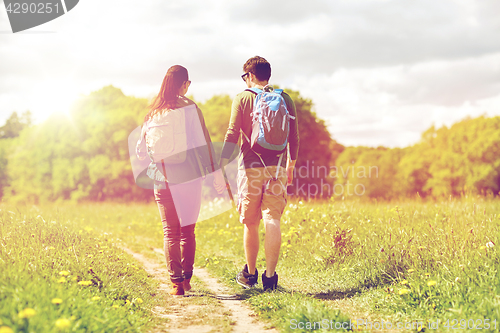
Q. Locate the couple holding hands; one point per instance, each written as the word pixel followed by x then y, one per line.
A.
pixel 266 119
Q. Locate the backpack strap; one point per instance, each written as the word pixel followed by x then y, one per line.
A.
pixel 256 91
pixel 260 157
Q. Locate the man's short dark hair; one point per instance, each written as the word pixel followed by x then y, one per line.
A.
pixel 259 67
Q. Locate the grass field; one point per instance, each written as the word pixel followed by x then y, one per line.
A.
pixel 57 274
pixel 407 261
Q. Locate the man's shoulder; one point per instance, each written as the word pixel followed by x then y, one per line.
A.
pixel 245 94
pixel 244 98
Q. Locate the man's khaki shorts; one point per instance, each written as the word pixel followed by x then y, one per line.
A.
pixel 259 196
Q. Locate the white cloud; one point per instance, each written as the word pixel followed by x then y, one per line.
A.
pixel 380 71
pixel 393 105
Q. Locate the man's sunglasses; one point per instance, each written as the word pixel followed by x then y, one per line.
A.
pixel 244 76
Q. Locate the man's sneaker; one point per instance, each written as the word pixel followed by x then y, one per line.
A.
pixel 245 279
pixel 269 283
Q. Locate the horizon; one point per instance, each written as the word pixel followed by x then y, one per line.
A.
pixel 36 121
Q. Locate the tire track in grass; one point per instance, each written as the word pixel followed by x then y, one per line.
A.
pixel 184 312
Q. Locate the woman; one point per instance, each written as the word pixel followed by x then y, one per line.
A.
pixel 178 186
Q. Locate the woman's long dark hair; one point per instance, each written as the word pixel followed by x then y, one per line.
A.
pixel 169 91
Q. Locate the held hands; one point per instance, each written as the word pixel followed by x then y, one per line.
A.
pixel 289 175
pixel 219 182
pixel 290 166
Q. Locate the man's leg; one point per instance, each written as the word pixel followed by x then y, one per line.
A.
pixel 273 204
pixel 272 244
pixel 251 245
pixel 249 202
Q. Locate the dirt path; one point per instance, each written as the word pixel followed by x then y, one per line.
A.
pixel 199 311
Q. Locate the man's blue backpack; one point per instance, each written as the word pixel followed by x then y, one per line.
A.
pixel 270 122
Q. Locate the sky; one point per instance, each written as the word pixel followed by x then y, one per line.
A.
pixel 379 72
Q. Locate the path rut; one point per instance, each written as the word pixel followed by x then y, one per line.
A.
pixel 183 312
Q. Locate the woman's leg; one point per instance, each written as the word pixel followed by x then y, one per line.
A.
pixel 188 202
pixel 171 233
pixel 188 250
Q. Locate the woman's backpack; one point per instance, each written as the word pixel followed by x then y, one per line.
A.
pixel 166 137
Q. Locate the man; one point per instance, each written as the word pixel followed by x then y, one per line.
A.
pixel 260 194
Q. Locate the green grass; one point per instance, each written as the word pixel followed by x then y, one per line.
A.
pixel 401 261
pixel 404 261
pixel 69 279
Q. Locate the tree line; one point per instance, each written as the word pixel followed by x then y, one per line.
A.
pixel 84 155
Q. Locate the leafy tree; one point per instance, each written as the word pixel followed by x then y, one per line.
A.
pixel 414 167
pixel 217 111
pixel 371 172
pixel 15 124
pixel 4 177
pixel 316 152
pixel 80 157
pixel 466 157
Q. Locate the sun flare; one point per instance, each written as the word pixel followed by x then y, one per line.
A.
pixel 55 97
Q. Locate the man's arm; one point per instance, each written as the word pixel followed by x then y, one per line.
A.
pixel 233 132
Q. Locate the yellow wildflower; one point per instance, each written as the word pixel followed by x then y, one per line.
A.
pixel 85 283
pixel 403 291
pixel 27 313
pixel 72 318
pixel 6 329
pixel 57 301
pixel 139 300
pixel 61 280
pixel 427 274
pixel 404 282
pixel 431 283
pixel 74 278
pixel 115 306
pixel 64 273
pixel 411 270
pixel 63 323
pixel 96 298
